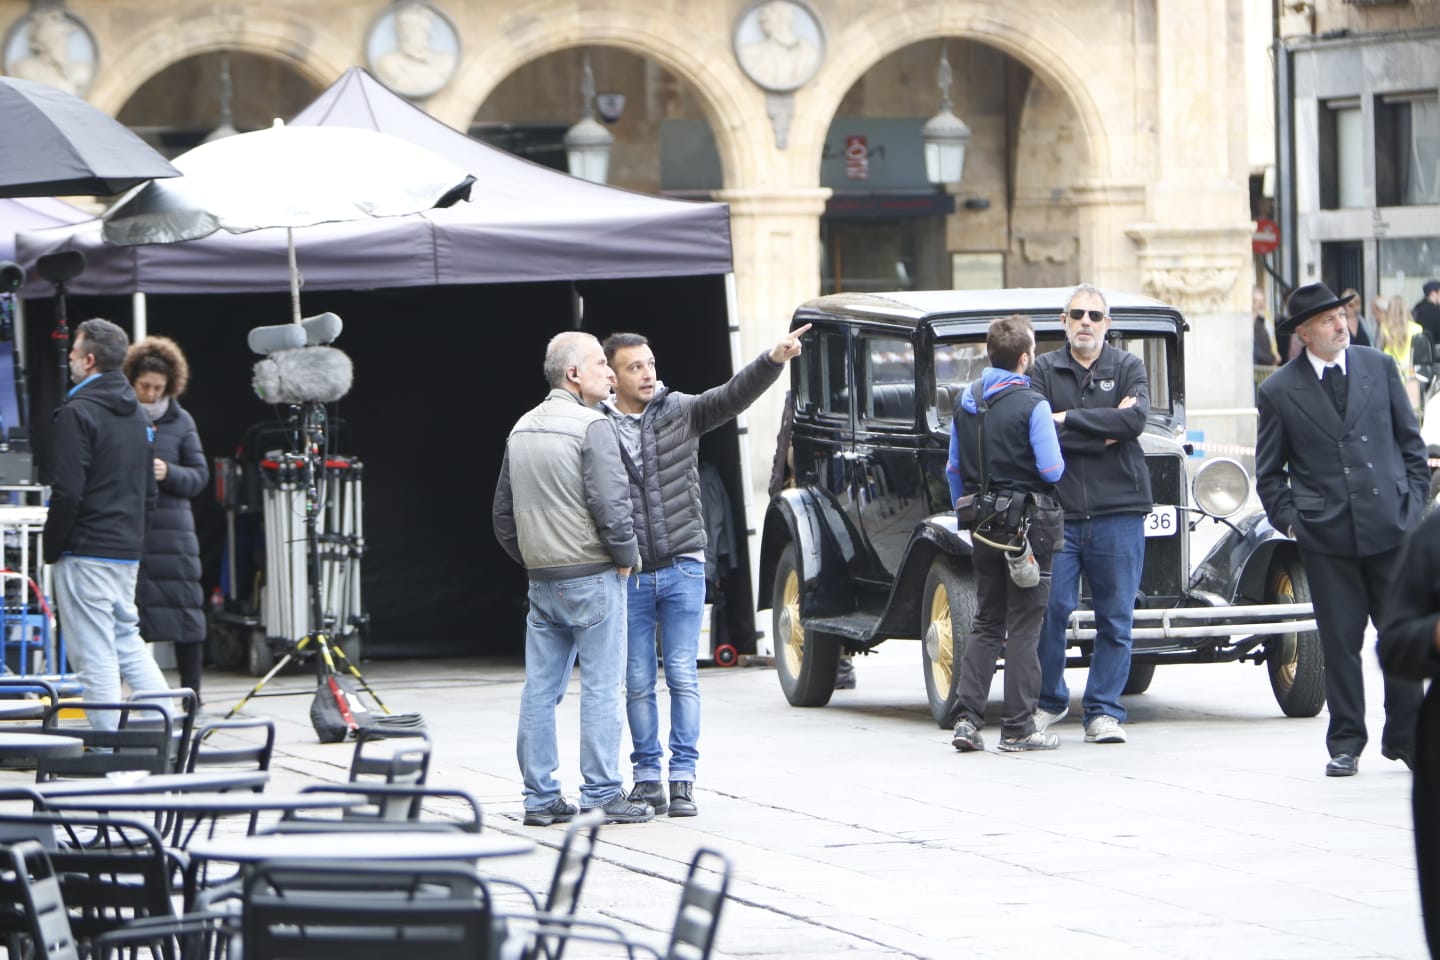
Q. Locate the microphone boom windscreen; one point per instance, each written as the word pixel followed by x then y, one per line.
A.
pixel 268 340
pixel 322 328
pixel 303 375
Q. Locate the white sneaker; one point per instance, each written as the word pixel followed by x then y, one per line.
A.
pixel 1035 741
pixel 1104 729
pixel 1043 718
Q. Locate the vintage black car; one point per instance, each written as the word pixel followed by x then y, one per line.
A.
pixel 863 545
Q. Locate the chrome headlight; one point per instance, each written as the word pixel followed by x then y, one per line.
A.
pixel 1221 487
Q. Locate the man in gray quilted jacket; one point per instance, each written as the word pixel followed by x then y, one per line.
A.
pixel 660 434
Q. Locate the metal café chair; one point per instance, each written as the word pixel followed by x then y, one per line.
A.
pixel 563 896
pixel 111 872
pixel 391 806
pixel 31 894
pixel 318 911
pixel 142 740
pixel 184 704
pixel 692 936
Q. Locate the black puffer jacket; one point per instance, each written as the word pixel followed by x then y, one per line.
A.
pixel 669 517
pixel 172 605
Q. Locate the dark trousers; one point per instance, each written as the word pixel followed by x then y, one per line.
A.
pixel 1007 619
pixel 1346 591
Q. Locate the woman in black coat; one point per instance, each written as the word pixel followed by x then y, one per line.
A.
pixel 168 594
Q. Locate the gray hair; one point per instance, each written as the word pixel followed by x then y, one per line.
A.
pixel 566 350
pixel 1090 289
pixel 104 341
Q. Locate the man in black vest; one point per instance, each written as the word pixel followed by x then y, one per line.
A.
pixel 1003 450
pixel 1340 466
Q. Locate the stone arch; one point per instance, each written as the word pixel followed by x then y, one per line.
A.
pixel 650 34
pixel 316 55
pixel 1047 46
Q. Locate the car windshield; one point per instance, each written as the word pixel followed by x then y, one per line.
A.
pixel 959 362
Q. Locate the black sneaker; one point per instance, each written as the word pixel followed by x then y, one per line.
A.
pixel 967 739
pixel 560 810
pixel 621 810
pixel 650 791
pixel 682 801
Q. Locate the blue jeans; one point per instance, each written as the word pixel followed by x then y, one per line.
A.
pixel 1110 551
pixel 672 598
pixel 96 600
pixel 584 616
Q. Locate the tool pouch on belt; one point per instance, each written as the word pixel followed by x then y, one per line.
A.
pixel 1047 523
pixel 1004 515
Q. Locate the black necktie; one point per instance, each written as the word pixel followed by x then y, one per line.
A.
pixel 1334 383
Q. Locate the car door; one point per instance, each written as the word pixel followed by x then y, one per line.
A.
pixel 823 434
pixel 888 483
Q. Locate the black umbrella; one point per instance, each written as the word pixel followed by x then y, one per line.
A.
pixel 55 144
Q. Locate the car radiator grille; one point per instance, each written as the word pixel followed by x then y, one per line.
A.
pixel 1164 573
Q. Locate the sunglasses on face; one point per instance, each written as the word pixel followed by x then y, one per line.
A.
pixel 1095 315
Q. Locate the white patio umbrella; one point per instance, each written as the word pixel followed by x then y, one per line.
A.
pixel 286 177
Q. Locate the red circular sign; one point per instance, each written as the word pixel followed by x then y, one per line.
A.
pixel 1266 238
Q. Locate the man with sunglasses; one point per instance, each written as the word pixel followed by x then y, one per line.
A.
pixel 1100 398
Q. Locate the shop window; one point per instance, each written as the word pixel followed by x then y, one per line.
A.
pixel 1407 150
pixel 1342 168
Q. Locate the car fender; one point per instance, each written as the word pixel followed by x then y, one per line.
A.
pixel 939 534
pixel 823 548
pixel 1237 566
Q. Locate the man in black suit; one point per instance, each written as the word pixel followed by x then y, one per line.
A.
pixel 1340 467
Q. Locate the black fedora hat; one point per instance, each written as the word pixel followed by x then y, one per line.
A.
pixel 1306 302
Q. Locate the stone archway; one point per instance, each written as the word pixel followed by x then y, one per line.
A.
pixel 181 105
pixel 651 34
pixel 316 55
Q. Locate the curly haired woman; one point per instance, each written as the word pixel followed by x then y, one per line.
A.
pixel 169 596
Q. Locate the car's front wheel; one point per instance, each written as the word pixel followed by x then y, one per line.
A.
pixel 805 659
pixel 1296 660
pixel 947 616
pixel 1139 679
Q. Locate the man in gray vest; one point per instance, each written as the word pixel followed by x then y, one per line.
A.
pixel 562 510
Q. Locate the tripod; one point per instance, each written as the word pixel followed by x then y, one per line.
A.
pixel 306 466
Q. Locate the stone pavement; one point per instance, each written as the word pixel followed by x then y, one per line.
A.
pixel 855 830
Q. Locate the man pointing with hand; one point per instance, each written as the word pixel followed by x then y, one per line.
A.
pixel 660 434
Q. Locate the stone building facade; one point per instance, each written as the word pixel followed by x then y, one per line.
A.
pixel 1358 185
pixel 1109 136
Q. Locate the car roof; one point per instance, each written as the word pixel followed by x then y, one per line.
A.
pixel 915 306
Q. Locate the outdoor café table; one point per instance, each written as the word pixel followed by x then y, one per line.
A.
pixel 152 783
pixel 23 709
pixel 367 847
pixel 194 809
pixel 370 845
pixel 17 748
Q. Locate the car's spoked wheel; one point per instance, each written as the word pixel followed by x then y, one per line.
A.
pixel 947 617
pixel 804 659
pixel 1296 661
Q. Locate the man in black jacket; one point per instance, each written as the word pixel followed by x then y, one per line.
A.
pixel 1101 398
pixel 1340 466
pixel 102 487
pixel 660 434
pixel 1410 652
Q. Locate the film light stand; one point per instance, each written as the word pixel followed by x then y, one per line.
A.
pixel 306 466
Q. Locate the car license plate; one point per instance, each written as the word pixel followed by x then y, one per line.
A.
pixel 1163 521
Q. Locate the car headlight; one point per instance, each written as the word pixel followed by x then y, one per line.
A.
pixel 1221 487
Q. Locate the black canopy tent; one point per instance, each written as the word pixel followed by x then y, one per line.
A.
pixel 446 317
